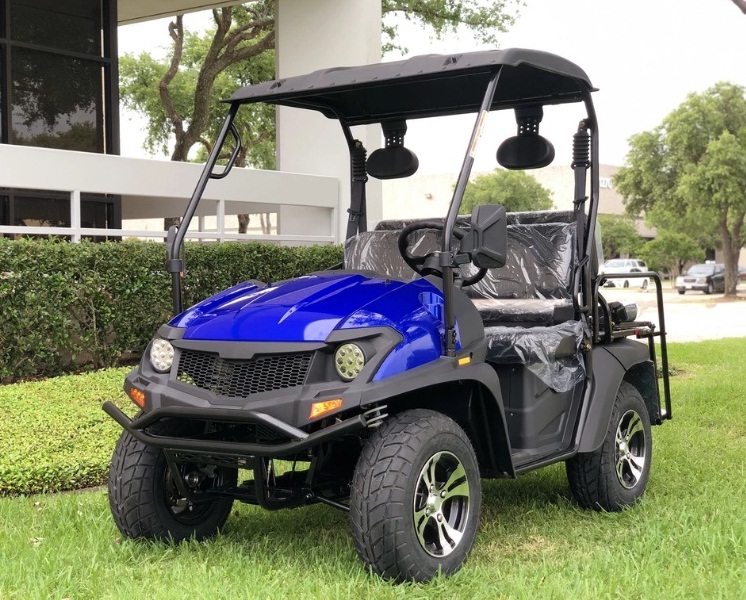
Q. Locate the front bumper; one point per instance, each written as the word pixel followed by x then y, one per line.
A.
pixel 297 439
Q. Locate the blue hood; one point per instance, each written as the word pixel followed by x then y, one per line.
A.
pixel 309 308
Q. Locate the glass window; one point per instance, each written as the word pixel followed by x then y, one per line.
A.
pixel 2 91
pixel 56 101
pixel 45 211
pixel 73 25
pixel 4 211
pixel 97 211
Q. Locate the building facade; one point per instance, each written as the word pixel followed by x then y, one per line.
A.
pixel 58 89
pixel 60 173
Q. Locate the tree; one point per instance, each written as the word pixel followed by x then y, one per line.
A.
pixel 670 251
pixel 515 190
pixel 483 19
pixel 177 94
pixel 694 165
pixel 619 235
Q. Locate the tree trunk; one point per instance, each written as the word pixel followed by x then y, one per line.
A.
pixel 266 223
pixel 731 243
pixel 168 221
pixel 741 4
pixel 243 223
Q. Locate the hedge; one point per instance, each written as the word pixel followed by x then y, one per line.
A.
pixel 64 305
pixel 56 437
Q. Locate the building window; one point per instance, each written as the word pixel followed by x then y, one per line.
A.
pixel 43 208
pixel 58 71
pixel 73 25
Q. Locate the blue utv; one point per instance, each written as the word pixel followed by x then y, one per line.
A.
pixel 441 352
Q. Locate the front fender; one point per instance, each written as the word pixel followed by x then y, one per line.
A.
pixel 479 409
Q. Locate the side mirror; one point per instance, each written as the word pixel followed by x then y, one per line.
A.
pixel 487 242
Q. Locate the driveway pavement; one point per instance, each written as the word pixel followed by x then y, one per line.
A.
pixel 690 317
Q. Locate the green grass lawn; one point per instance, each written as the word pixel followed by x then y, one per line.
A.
pixel 686 539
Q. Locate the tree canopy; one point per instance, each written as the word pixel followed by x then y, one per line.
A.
pixel 670 251
pixel 619 235
pixel 177 93
pixel 180 92
pixel 690 171
pixel 515 190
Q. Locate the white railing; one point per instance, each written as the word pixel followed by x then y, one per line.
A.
pixel 158 188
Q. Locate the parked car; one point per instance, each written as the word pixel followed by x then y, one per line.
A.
pixel 708 278
pixel 615 266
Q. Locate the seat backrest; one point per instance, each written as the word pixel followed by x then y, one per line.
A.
pixel 538 265
pixel 539 255
pixel 378 251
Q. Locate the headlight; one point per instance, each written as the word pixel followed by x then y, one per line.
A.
pixel 349 360
pixel 161 355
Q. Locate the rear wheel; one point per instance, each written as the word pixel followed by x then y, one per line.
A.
pixel 416 495
pixel 616 475
pixel 145 500
pixel 681 292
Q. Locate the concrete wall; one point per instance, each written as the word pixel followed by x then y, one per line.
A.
pixel 317 35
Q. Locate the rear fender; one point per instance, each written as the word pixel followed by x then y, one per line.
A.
pixel 611 365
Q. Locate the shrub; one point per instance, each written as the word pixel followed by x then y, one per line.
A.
pixel 57 437
pixel 65 305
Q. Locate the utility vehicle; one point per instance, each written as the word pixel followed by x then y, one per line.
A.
pixel 441 352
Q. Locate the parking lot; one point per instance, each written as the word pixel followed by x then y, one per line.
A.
pixel 690 317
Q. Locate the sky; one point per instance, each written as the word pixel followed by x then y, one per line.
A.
pixel 644 56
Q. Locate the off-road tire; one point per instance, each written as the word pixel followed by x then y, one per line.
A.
pixel 606 479
pixel 138 497
pixel 387 495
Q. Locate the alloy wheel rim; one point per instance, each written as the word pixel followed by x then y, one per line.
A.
pixel 630 449
pixel 441 504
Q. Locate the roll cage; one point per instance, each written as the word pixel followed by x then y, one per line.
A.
pixel 430 86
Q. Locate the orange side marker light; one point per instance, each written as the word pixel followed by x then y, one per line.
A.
pixel 321 408
pixel 137 396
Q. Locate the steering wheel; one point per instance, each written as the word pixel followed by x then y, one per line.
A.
pixel 417 263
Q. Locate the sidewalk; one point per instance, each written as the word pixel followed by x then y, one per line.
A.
pixel 690 317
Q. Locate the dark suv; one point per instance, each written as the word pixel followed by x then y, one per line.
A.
pixel 707 278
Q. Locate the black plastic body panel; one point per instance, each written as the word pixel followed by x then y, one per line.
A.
pixel 610 365
pixel 541 422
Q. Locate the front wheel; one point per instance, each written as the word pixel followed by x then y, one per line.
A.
pixel 145 501
pixel 415 499
pixel 616 475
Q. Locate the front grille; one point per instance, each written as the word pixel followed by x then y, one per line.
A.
pixel 241 378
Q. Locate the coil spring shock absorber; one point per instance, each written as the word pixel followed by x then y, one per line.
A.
pixel 581 147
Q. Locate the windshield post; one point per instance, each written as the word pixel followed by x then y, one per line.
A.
pixel 175 239
pixel 446 260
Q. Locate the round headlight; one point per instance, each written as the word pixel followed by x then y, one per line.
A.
pixel 349 360
pixel 161 355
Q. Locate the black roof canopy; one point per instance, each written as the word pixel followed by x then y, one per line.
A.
pixel 425 86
